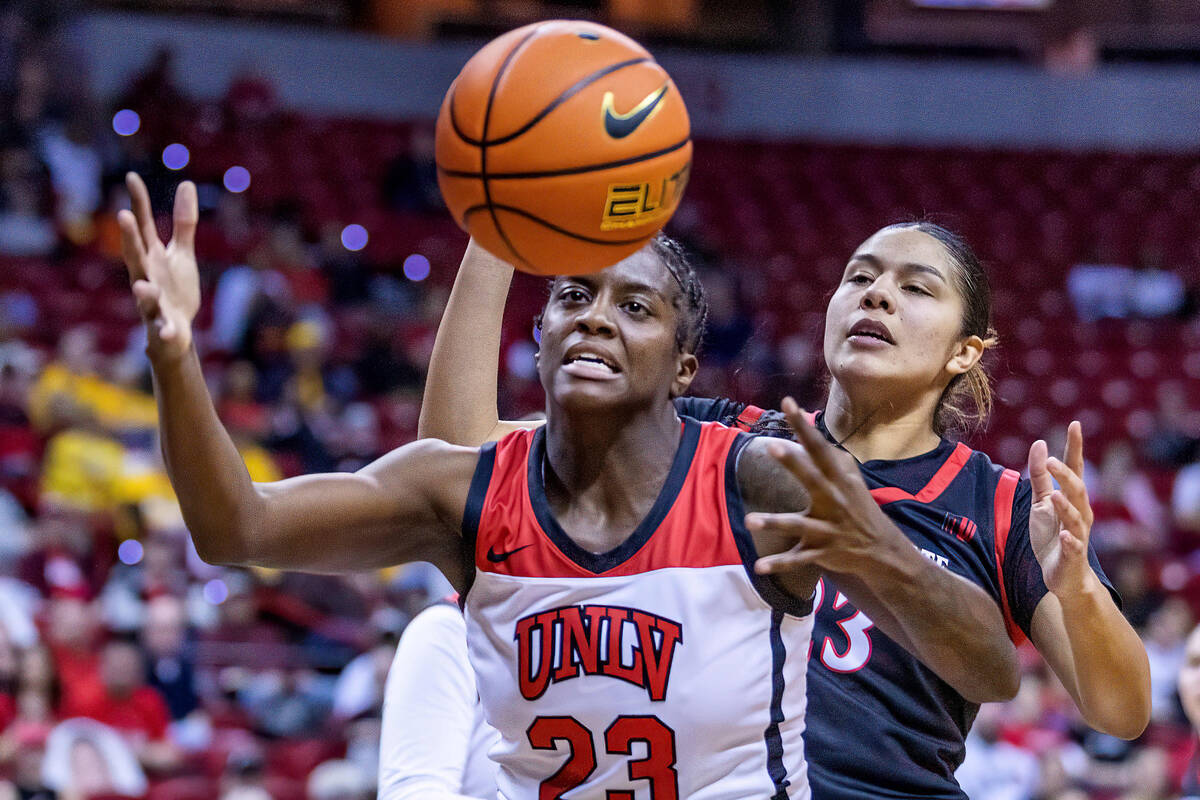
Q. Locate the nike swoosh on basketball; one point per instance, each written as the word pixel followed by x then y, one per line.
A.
pixel 618 126
pixel 496 558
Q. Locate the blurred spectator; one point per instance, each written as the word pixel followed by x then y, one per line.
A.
pixel 993 768
pixel 286 702
pixel 1185 498
pixel 359 687
pixel 169 661
pixel 88 758
pixel 130 587
pixel 130 706
pixel 1189 698
pixel 1164 638
pixel 238 407
pixel 728 326
pixel 410 180
pixel 25 227
pixel 1175 438
pixel 75 171
pixel 72 635
pixel 1128 514
pixel 28 748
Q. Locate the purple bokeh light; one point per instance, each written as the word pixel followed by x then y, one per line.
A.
pixel 354 237
pixel 126 122
pixel 416 267
pixel 175 156
pixel 237 179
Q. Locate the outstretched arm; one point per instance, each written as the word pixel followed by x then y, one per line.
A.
pixel 946 621
pixel 1077 626
pixel 459 405
pixel 391 511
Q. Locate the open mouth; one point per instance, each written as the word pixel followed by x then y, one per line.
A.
pixel 871 329
pixel 589 363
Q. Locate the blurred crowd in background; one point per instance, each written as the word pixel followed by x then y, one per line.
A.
pixel 128 667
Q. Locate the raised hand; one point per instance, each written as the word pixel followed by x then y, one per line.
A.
pixel 843 526
pixel 166 282
pixel 1060 520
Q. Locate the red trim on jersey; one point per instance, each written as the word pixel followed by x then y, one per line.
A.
pixel 810 417
pixel 694 533
pixel 937 484
pixel 749 416
pixel 1006 489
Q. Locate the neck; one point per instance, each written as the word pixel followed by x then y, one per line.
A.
pixel 611 460
pixel 874 428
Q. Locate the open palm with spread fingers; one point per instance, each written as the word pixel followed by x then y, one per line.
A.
pixel 1060 520
pixel 166 282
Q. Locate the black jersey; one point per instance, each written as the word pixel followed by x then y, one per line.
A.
pixel 880 723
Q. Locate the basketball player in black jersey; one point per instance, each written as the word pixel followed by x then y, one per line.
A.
pixel 610 445
pixel 905 332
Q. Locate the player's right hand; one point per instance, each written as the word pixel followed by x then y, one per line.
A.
pixel 166 281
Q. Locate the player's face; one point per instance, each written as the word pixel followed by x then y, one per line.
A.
pixel 1189 678
pixel 896 316
pixel 608 338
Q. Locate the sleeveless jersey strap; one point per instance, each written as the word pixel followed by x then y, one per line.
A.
pixel 1006 489
pixel 749 416
pixel 473 513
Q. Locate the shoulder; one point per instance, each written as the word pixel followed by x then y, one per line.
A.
pixel 436 622
pixel 765 484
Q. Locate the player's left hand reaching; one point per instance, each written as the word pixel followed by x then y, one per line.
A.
pixel 166 281
pixel 843 527
pixel 1060 520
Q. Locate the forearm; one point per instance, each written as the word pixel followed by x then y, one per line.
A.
pixel 1106 670
pixel 460 402
pixel 946 621
pixel 215 493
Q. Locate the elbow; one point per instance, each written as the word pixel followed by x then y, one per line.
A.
pixel 999 690
pixel 228 542
pixel 997 684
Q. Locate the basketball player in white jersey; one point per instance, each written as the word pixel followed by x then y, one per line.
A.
pixel 623 644
pixel 435 741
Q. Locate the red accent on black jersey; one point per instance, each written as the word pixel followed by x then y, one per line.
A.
pixel 937 484
pixel 1006 488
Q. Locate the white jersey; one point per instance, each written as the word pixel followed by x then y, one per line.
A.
pixel 434 741
pixel 662 669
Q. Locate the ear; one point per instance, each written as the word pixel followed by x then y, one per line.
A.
pixel 965 355
pixel 685 371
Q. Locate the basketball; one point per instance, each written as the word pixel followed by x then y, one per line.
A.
pixel 562 147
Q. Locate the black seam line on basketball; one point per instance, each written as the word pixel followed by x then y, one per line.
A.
pixel 566 95
pixel 546 223
pixel 487 118
pixel 554 173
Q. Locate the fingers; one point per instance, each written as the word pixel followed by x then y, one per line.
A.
pixel 147 295
pixel 1039 476
pixel 1073 452
pixel 1073 488
pixel 140 201
pixel 131 246
pixel 187 214
pixel 793 526
pixel 785 562
pixel 1069 517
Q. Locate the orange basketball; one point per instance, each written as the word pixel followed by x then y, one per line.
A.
pixel 562 147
